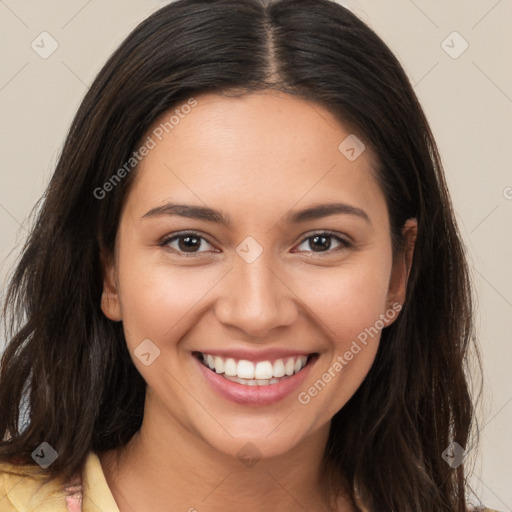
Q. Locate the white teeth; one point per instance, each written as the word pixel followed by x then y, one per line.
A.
pixel 219 364
pixel 261 373
pixel 245 369
pixel 264 370
pixel 300 363
pixel 278 370
pixel 253 382
pixel 230 368
pixel 289 367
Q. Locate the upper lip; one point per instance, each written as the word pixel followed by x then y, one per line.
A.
pixel 267 354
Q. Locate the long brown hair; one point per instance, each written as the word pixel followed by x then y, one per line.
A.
pixel 67 377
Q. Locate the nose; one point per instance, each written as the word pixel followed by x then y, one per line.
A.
pixel 256 299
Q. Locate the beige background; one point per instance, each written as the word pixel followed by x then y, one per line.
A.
pixel 467 99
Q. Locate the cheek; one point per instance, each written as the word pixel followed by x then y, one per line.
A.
pixel 347 299
pixel 157 299
pixel 347 303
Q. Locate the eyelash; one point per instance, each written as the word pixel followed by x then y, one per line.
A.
pixel 344 243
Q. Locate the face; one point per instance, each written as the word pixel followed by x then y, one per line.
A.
pixel 252 312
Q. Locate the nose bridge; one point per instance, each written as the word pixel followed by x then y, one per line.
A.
pixel 255 299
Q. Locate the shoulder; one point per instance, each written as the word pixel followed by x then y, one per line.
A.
pixel 23 489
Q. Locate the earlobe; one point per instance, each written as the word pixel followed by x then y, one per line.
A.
pixel 110 304
pixel 402 266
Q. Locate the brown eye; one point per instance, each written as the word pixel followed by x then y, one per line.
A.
pixel 185 243
pixel 323 242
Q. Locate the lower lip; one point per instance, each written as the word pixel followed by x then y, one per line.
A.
pixel 255 395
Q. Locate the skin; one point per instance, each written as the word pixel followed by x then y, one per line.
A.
pixel 255 158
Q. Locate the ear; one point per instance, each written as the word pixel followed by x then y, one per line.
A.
pixel 402 267
pixel 110 303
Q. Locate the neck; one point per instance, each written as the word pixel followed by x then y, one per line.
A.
pixel 167 467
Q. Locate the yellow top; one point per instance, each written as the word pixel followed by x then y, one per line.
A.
pixel 26 494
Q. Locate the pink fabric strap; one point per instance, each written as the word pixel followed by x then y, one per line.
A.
pixel 74 495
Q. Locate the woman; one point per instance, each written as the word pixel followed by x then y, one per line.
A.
pixel 245 284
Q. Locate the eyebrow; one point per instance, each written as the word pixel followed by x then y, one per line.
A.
pixel 294 217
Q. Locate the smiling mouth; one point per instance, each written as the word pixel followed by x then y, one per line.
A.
pixel 261 373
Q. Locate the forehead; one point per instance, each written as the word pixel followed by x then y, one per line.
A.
pixel 261 149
